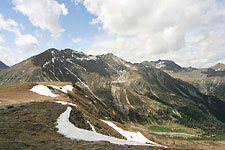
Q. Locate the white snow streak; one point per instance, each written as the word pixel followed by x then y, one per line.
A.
pixel 76 77
pixel 53 60
pixel 66 128
pixel 85 85
pixel 90 57
pixel 65 103
pixel 46 64
pixel 43 90
pixel 92 128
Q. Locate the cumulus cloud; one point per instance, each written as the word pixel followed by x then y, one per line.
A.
pixel 76 40
pixel 76 1
pixel 201 52
pixel 27 42
pixel 9 25
pixel 6 56
pixel 159 27
pixel 43 13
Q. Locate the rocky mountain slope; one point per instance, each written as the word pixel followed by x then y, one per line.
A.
pixel 3 66
pixel 210 81
pixel 163 64
pixel 31 113
pixel 219 67
pixel 135 93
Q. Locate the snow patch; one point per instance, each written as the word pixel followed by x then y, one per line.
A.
pixel 130 136
pixel 219 69
pixel 69 60
pixel 53 60
pixel 90 57
pixel 43 90
pixel 66 128
pixel 46 64
pixel 65 103
pixel 63 89
pixel 161 64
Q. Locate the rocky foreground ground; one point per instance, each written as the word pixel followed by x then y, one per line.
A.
pixel 32 126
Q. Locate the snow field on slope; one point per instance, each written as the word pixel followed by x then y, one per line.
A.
pixel 43 90
pixel 66 128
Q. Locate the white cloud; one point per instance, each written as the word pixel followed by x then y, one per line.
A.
pixel 43 13
pixel 76 40
pixel 156 28
pixel 38 34
pixel 6 56
pixel 2 40
pixel 204 52
pixel 27 42
pixel 76 1
pixel 9 25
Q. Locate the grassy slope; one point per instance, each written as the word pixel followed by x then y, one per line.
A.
pixel 165 129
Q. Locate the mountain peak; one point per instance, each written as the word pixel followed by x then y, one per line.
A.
pixel 163 64
pixel 219 67
pixel 110 55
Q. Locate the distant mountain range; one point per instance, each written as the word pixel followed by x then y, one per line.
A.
pixel 141 93
pixel 209 81
pixel 3 66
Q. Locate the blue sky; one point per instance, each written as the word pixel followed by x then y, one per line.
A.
pixel 192 33
pixel 75 23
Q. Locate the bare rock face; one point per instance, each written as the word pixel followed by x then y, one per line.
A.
pixel 78 119
pixel 219 67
